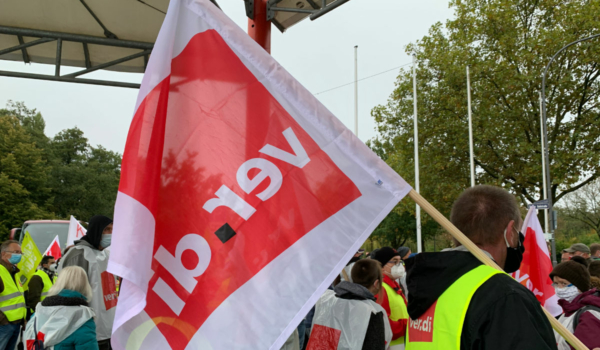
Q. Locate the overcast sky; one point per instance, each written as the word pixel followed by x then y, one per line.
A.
pixel 319 54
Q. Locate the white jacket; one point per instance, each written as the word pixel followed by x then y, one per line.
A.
pixel 347 317
pixel 56 323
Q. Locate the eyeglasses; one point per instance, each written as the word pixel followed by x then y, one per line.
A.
pixel 394 262
pixel 19 252
pixel 561 285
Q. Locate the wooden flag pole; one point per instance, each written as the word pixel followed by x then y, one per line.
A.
pixel 479 254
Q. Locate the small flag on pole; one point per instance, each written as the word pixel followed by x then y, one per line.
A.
pixel 54 249
pixel 76 231
pixel 536 265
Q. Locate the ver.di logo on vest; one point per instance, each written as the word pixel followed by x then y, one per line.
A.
pixel 421 329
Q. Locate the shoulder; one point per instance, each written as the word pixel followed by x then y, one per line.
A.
pixel 83 334
pixel 503 289
pixel 503 306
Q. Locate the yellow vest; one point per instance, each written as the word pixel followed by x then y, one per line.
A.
pixel 12 301
pixel 47 283
pixel 440 327
pixel 398 309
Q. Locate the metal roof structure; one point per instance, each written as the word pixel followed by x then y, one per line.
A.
pixel 115 35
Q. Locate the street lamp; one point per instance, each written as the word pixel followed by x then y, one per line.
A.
pixel 546 149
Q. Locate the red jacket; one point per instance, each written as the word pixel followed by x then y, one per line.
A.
pixel 399 326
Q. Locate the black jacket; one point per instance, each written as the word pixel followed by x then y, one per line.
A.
pixel 502 314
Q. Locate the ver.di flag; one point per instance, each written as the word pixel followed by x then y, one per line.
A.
pixel 76 231
pixel 534 272
pixel 53 249
pixel 241 196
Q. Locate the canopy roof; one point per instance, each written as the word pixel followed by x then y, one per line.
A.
pixel 121 27
pixel 115 35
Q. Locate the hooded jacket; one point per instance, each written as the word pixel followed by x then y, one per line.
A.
pixel 65 321
pixel 588 327
pixel 345 308
pixel 502 314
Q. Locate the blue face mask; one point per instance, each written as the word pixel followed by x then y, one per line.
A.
pixel 105 241
pixel 15 258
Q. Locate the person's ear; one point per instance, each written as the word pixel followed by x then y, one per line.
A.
pixel 509 232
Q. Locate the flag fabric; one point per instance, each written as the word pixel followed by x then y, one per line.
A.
pixel 54 249
pixel 534 272
pixel 31 258
pixel 76 231
pixel 241 196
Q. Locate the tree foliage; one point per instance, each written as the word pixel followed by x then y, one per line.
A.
pixel 51 178
pixel 507 44
pixel 584 206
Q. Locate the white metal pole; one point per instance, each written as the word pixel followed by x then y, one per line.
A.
pixel 418 208
pixel 546 218
pixel 470 130
pixel 356 90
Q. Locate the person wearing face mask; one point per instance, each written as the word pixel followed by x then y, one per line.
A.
pixel 12 302
pixel 351 309
pixel 392 298
pixel 579 301
pixel 40 283
pixel 456 302
pixel 91 253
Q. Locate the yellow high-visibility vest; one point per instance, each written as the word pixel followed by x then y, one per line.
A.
pixel 12 301
pixel 47 283
pixel 398 309
pixel 440 327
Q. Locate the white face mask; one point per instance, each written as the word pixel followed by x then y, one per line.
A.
pixel 52 267
pixel 398 271
pixel 567 293
pixel 105 241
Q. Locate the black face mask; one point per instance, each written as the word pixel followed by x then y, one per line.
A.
pixel 514 256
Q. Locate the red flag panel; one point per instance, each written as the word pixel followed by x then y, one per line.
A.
pixel 215 118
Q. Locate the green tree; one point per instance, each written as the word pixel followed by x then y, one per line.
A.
pixel 23 177
pixel 400 226
pixel 85 179
pixel 507 44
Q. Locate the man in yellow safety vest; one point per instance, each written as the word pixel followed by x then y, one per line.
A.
pixel 457 303
pixel 12 302
pixel 40 283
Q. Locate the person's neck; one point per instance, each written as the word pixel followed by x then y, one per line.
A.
pixel 498 253
pixel 7 264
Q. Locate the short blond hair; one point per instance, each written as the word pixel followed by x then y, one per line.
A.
pixel 72 278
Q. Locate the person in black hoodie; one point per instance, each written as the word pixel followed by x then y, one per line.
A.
pixel 501 313
pixel 91 253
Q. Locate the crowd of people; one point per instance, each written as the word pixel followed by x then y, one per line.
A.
pixel 385 299
pixel 393 299
pixel 64 304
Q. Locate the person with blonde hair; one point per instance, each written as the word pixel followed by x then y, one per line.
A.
pixel 63 320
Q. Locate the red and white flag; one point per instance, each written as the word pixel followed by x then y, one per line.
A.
pixel 536 265
pixel 76 231
pixel 241 196
pixel 54 249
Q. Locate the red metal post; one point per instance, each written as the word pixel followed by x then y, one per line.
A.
pixel 259 29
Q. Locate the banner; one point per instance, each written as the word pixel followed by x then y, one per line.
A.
pixel 31 259
pixel 76 231
pixel 536 266
pixel 54 249
pixel 241 196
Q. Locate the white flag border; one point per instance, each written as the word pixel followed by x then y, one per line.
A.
pixel 322 126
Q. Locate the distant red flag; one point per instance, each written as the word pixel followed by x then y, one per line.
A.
pixel 54 249
pixel 536 266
